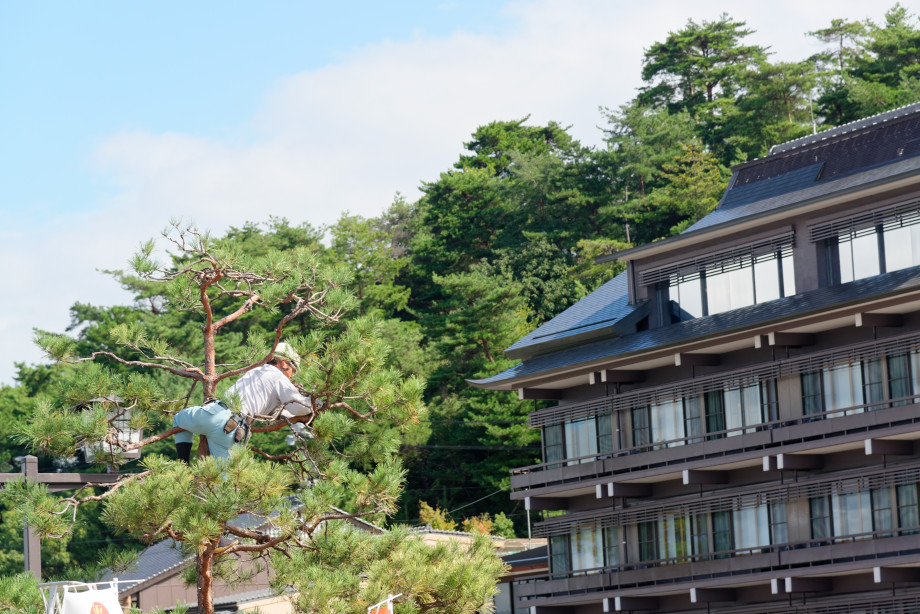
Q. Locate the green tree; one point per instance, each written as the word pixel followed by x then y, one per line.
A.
pixel 362 408
pixel 697 65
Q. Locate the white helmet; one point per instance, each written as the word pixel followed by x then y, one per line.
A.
pixel 288 353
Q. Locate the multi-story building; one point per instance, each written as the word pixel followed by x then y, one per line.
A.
pixel 737 426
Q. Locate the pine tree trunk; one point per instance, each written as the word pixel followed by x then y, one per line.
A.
pixel 204 563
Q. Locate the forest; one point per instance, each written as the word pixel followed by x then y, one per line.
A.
pixel 497 245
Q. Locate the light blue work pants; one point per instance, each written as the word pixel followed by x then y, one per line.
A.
pixel 207 420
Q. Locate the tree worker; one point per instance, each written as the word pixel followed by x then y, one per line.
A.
pixel 262 392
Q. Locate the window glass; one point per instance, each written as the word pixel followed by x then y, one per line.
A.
pixel 788 276
pixel 699 533
pixel 667 422
pixel 587 549
pixel 648 549
pixel 843 388
pixel 693 418
pixel 779 531
pixel 552 443
pixel 743 407
pixel 865 255
pixel 852 514
pixel 672 537
pixel 908 509
pixel 611 546
pixel 722 541
pixel 873 386
pixel 718 292
pixel 689 298
pixel 641 429
pixel 820 514
pixel 881 510
pixel 752 528
pixel 559 554
pixel 899 381
pixel 715 414
pixel 902 247
pixel 580 439
pixel 766 278
pixel 605 433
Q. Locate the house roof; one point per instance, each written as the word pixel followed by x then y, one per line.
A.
pixel 699 328
pixel 167 555
pixel 857 156
pixel 606 312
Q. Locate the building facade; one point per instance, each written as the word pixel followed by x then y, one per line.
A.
pixel 738 414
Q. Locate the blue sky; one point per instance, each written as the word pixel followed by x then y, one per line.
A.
pixel 119 115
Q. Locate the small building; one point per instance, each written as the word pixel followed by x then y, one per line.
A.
pixel 737 426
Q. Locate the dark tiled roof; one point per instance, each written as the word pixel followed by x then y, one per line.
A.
pixel 597 313
pixel 853 126
pixel 780 198
pixel 858 148
pixel 526 557
pixel 738 319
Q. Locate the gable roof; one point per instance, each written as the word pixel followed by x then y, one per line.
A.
pixel 606 312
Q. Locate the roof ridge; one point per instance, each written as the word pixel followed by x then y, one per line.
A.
pixel 846 128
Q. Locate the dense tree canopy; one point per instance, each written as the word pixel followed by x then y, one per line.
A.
pixel 499 242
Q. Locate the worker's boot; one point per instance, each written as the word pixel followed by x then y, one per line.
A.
pixel 184 452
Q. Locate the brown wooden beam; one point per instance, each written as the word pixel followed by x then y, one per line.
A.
pixel 791 339
pixel 546 503
pixel 695 476
pixel 807 585
pixel 705 595
pixel 891 320
pixel 617 489
pixel 635 603
pixel 889 447
pixel 896 574
pixel 696 360
pixel 799 461
pixel 539 394
pixel 622 376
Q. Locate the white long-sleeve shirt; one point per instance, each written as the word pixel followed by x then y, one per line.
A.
pixel 265 389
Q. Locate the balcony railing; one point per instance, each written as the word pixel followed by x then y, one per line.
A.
pixel 748 440
pixel 865 550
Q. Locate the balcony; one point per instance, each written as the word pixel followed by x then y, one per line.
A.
pixel 841 426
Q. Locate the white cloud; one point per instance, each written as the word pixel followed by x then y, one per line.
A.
pixel 351 134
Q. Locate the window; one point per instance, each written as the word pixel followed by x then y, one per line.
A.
pixel 883 248
pixel 668 422
pixel 722 538
pixel 587 548
pixel 641 427
pixel 812 393
pixel 908 514
pixel 699 534
pixel 648 543
pixel 873 386
pixel 553 447
pixel 693 419
pixel 559 554
pixel 743 407
pixel 502 600
pixel 738 281
pixel 715 415
pixel 779 528
pixel 612 546
pixel 820 515
pixel 852 513
pixel 882 519
pixel 580 439
pixel 752 528
pixel 899 380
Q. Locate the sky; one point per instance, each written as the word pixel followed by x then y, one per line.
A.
pixel 118 116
